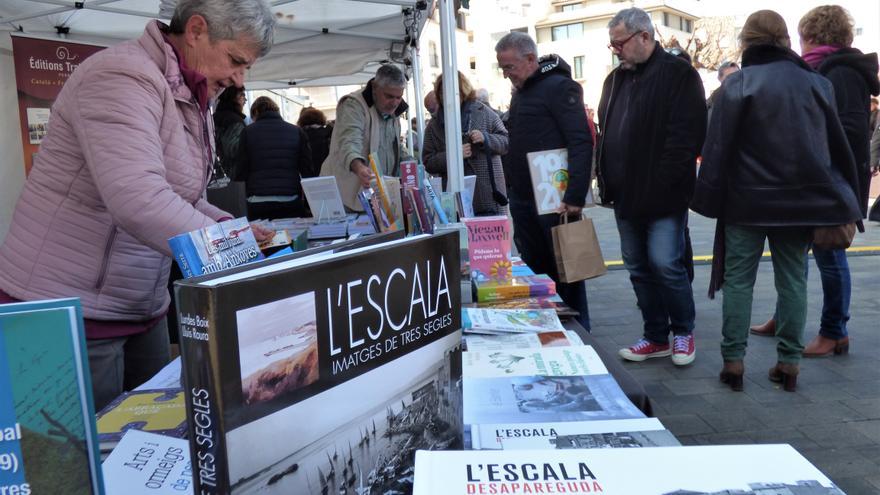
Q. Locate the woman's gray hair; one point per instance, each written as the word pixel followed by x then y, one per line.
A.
pixel 521 42
pixel 390 76
pixel 635 20
pixel 229 20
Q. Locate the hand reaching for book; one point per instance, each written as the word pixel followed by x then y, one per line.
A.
pixel 262 233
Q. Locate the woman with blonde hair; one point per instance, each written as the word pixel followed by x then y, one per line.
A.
pixel 826 34
pixel 776 164
pixel 485 140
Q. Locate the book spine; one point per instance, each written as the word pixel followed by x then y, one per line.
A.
pixel 185 255
pixel 424 216
pixel 201 385
pixel 368 209
pixel 435 200
pixel 383 194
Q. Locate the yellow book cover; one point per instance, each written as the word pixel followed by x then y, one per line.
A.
pixel 154 411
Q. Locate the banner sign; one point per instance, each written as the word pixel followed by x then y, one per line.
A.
pixel 41 69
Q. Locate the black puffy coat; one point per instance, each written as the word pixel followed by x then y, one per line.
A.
pixel 776 153
pixel 665 130
pixel 854 78
pixel 548 113
pixel 228 126
pixel 270 155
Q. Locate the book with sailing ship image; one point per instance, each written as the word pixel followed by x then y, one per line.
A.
pixel 265 350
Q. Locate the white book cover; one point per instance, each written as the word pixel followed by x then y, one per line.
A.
pixel 619 433
pixel 491 343
pixel 708 470
pixel 510 320
pixel 536 399
pixel 546 361
pixel 145 463
pixel 324 198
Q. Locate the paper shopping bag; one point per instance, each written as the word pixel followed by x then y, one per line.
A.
pixel 577 251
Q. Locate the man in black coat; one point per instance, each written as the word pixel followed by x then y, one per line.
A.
pixel 653 121
pixel 271 153
pixel 546 113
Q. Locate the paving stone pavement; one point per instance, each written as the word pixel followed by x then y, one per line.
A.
pixel 833 418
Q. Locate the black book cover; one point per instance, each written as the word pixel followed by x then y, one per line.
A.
pixel 323 376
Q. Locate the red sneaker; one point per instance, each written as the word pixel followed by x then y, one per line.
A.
pixel 683 349
pixel 644 349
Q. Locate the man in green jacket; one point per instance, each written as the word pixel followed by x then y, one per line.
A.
pixel 367 121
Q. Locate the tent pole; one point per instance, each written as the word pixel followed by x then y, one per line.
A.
pixel 418 104
pixel 452 104
pixel 410 138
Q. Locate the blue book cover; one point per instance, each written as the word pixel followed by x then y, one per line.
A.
pixel 215 248
pixel 47 417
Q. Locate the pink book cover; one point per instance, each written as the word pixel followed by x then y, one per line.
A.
pixel 409 174
pixel 489 247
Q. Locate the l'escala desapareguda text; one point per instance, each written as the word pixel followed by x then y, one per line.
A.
pixel 10 462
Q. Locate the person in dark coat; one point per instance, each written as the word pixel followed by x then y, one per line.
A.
pixel 826 35
pixel 486 143
pixel 776 164
pixel 652 118
pixel 228 126
pixel 314 123
pixel 546 113
pixel 270 156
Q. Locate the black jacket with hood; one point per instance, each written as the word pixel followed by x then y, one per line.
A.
pixel 665 131
pixel 548 113
pixel 854 77
pixel 776 154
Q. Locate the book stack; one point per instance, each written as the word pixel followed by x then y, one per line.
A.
pixel 491 290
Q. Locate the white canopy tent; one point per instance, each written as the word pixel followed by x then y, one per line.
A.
pixel 317 43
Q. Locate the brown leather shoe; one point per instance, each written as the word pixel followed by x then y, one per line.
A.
pixel 766 330
pixel 823 346
pixel 732 375
pixel 786 374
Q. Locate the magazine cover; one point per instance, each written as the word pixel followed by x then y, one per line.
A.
pixel 703 470
pixel 491 343
pixel 620 433
pixel 349 357
pixel 555 361
pixel 48 441
pixel 510 320
pixel 215 248
pixel 489 240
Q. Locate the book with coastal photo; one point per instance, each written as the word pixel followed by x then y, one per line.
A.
pixel 615 433
pixel 324 373
pixel 215 248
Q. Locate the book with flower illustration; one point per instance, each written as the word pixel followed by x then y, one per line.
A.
pixel 483 320
pixel 489 247
pixel 490 290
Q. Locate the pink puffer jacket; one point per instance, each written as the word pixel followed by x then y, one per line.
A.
pixel 123 168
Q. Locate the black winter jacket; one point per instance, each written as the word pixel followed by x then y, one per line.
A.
pixel 270 155
pixel 667 125
pixel 548 113
pixel 854 77
pixel 776 154
pixel 228 126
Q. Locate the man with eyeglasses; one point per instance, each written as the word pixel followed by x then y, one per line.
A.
pixel 546 113
pixel 652 118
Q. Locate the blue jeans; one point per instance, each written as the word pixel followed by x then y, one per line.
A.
pixel 653 253
pixel 837 289
pixel 533 239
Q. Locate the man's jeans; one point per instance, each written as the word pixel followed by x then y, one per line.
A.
pixel 837 289
pixel 653 253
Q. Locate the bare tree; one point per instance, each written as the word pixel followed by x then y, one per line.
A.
pixel 712 42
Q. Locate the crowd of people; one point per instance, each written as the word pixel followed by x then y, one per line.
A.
pixel 785 143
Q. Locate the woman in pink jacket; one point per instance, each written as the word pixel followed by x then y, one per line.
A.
pixel 124 168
